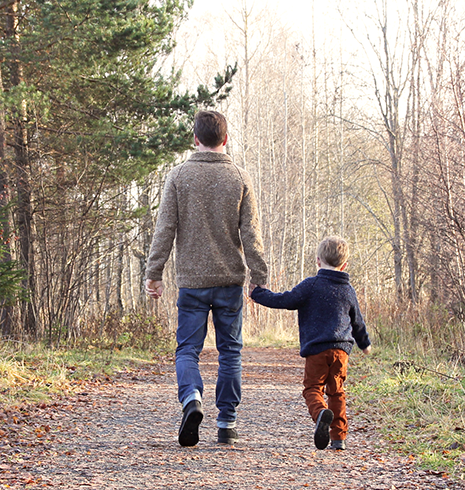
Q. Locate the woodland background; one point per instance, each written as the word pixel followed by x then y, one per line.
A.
pixel 358 132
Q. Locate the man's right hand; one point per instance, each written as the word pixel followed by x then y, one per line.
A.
pixel 154 289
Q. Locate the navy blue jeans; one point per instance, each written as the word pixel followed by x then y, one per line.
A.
pixel 194 306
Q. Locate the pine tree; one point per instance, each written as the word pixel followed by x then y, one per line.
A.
pixel 89 108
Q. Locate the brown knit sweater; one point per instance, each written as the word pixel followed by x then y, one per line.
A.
pixel 209 206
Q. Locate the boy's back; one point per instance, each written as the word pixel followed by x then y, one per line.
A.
pixel 328 310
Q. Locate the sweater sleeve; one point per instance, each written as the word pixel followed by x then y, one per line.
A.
pixel 165 231
pixel 249 226
pixel 289 300
pixel 359 330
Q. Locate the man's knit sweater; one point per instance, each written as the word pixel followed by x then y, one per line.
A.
pixel 328 311
pixel 208 205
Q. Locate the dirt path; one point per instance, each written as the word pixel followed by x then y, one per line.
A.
pixel 123 435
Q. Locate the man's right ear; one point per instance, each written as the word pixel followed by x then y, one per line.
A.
pixel 225 140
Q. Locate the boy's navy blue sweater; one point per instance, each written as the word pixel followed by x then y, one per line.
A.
pixel 329 315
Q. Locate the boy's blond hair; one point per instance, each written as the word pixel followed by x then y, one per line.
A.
pixel 334 251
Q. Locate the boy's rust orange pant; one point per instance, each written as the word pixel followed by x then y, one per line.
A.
pixel 327 370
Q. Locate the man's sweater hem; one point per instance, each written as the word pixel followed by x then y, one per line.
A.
pixel 191 282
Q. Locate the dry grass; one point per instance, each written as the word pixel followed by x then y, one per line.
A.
pixel 420 412
pixel 32 373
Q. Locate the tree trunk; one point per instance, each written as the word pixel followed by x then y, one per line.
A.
pixel 24 212
pixel 5 312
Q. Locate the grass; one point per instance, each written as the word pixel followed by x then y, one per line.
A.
pixel 417 404
pixel 281 337
pixel 278 331
pixel 32 373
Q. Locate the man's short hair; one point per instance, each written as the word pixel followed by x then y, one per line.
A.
pixel 210 127
pixel 334 251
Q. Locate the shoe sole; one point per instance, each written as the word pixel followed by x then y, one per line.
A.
pixel 321 436
pixel 189 431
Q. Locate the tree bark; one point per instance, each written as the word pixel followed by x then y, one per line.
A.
pixel 23 187
pixel 6 311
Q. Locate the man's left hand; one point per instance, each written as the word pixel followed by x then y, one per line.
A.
pixel 253 286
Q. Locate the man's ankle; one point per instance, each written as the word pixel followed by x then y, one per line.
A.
pixel 227 436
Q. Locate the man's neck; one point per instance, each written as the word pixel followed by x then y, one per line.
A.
pixel 217 149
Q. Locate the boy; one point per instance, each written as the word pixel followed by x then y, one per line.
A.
pixel 329 323
pixel 209 208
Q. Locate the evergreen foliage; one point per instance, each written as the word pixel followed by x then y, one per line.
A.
pixel 10 281
pixel 90 109
pixel 95 87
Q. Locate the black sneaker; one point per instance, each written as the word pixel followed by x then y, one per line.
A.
pixel 321 437
pixel 338 445
pixel 227 436
pixel 189 430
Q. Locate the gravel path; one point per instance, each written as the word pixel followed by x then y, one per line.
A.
pixel 123 434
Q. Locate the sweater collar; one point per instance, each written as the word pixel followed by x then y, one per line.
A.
pixel 337 276
pixel 210 156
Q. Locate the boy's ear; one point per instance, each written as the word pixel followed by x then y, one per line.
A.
pixel 196 140
pixel 225 140
pixel 344 266
pixel 318 261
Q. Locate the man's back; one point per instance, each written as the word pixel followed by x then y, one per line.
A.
pixel 210 191
pixel 211 201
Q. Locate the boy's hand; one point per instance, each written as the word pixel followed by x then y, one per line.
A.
pixel 367 350
pixel 154 289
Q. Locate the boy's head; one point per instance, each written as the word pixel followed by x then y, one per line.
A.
pixel 333 251
pixel 211 128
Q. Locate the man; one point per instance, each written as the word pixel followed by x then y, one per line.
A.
pixel 208 205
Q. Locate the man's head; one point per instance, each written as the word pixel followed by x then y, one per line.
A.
pixel 210 128
pixel 333 251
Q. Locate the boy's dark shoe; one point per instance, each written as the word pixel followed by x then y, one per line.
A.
pixel 338 445
pixel 227 436
pixel 189 430
pixel 321 437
